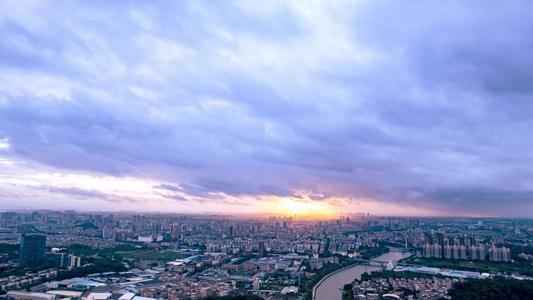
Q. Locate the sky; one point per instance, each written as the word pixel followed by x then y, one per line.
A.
pixel 268 106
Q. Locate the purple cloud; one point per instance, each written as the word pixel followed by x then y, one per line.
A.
pixel 371 100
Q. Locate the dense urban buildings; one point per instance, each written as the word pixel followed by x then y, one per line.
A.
pixel 108 255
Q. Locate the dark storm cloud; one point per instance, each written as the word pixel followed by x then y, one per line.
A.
pixel 373 100
pixel 491 202
pixel 240 187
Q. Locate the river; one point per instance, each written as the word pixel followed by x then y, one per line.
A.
pixel 329 288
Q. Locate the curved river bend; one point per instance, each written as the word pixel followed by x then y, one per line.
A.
pixel 329 289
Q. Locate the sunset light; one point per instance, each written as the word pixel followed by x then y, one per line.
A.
pixel 266 150
pixel 305 207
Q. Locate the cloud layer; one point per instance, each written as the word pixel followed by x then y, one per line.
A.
pixel 426 106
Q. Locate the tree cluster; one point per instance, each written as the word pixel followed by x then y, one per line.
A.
pixel 485 289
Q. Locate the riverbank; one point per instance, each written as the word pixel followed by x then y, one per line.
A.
pixel 330 287
pixel 377 251
pixel 328 275
pixel 317 278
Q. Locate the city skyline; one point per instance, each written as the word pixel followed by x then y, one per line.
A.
pixel 280 107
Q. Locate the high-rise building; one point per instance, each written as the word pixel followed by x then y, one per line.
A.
pixel 98 219
pixel 32 248
pixel 474 253
pixel 428 251
pixel 56 259
pixel 462 252
pixel 448 253
pixel 506 254
pixel 495 253
pixel 455 250
pixel 72 261
pixel 437 251
pixel 428 239
pixel 481 252
pixel 439 240
pixel 262 250
pixel 174 230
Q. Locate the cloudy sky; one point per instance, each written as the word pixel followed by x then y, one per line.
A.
pixel 246 106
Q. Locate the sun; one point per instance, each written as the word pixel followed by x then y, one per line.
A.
pixel 306 207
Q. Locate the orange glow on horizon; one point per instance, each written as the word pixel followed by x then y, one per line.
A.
pixel 303 207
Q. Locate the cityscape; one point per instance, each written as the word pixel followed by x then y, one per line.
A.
pixel 266 150
pixel 52 254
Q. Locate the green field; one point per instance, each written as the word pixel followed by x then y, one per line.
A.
pixel 161 256
pixel 273 287
pixel 479 266
pixel 242 272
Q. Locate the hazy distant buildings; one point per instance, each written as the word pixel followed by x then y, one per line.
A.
pixel 32 248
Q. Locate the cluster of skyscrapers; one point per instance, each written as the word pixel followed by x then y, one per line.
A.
pixel 33 251
pixel 448 247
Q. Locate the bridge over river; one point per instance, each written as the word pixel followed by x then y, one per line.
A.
pixel 377 263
